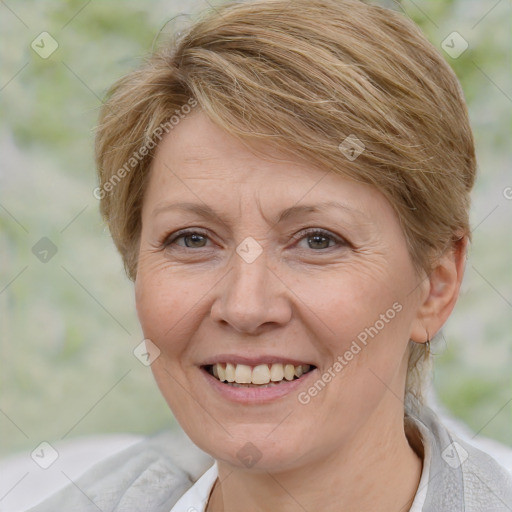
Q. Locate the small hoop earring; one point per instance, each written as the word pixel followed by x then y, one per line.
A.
pixel 427 345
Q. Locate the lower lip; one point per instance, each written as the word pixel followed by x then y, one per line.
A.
pixel 245 395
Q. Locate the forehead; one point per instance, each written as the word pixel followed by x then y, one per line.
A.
pixel 199 149
pixel 201 162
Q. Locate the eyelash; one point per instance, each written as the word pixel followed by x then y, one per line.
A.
pixel 299 236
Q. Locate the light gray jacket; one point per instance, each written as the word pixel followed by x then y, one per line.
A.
pixel 152 475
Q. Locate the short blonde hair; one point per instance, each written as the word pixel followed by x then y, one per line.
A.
pixel 312 77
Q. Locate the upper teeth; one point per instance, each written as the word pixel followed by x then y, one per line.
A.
pixel 260 374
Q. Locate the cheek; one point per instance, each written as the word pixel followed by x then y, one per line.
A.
pixel 347 300
pixel 161 303
pixel 163 309
pixel 171 306
pixel 363 317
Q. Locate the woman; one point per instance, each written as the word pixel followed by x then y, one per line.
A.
pixel 288 185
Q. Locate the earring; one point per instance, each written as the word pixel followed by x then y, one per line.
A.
pixel 427 345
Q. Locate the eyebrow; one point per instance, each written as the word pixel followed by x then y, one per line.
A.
pixel 206 211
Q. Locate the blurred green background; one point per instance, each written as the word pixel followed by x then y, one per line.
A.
pixel 68 326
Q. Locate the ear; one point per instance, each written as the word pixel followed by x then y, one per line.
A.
pixel 440 291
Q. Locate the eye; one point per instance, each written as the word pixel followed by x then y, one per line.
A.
pixel 196 239
pixel 320 238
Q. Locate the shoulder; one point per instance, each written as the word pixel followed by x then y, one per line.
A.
pixel 151 475
pixel 487 484
pixel 462 477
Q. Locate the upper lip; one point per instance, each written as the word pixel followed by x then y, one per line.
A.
pixel 252 361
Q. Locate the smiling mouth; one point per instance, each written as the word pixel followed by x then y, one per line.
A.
pixel 260 376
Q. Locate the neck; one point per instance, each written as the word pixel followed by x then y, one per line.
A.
pixel 376 470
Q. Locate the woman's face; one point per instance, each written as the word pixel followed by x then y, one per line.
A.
pixel 254 284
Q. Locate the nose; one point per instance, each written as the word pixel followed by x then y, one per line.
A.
pixel 251 297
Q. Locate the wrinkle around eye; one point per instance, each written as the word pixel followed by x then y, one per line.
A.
pixel 358 242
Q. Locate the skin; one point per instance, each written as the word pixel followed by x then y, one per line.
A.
pixel 306 298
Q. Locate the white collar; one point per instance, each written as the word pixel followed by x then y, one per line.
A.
pixel 421 493
pixel 196 498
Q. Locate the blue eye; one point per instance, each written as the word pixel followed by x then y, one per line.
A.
pixel 319 236
pixel 196 236
pixel 197 239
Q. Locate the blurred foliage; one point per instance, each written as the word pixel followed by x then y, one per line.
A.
pixel 68 327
